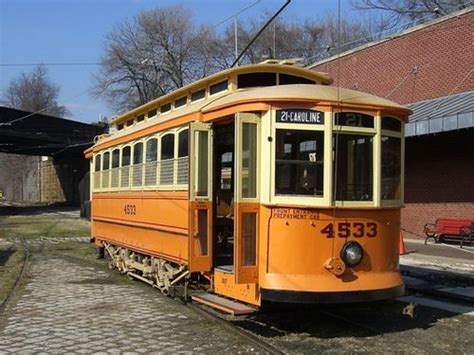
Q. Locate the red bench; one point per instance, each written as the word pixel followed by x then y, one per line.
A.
pixel 450 228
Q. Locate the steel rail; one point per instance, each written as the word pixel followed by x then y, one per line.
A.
pixel 255 340
pixel 26 259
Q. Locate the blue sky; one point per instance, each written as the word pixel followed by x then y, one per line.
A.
pixel 73 31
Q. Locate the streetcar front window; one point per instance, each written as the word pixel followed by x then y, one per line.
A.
pixel 353 169
pixel 299 162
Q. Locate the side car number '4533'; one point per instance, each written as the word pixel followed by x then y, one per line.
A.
pixel 350 229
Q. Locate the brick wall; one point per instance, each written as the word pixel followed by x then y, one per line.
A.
pixel 439 179
pixel 443 54
pixel 51 187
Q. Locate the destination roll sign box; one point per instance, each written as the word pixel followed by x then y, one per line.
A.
pixel 303 116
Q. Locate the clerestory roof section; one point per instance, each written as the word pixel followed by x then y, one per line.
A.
pixel 231 76
pixel 304 92
pixel 441 114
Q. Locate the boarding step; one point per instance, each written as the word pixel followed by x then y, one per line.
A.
pixel 223 304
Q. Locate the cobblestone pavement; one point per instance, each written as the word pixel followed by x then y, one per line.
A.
pixel 70 308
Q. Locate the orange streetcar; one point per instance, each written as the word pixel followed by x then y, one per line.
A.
pixel 259 183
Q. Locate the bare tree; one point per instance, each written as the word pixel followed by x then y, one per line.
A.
pixel 161 50
pixel 308 39
pixel 154 53
pixel 34 92
pixel 412 10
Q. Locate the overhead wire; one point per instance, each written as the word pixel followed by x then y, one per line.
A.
pixel 94 63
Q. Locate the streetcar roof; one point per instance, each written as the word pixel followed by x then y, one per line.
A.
pixel 231 73
pixel 282 93
pixel 304 92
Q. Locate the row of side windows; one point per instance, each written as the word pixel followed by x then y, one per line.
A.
pixel 158 162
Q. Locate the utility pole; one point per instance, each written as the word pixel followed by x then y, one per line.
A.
pixel 236 49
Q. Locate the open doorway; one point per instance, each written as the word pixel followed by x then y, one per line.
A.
pixel 224 156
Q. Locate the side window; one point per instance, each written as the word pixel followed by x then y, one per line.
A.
pixel 391 168
pixel 353 167
pixel 150 161
pixel 105 170
pixel 114 175
pixel 125 168
pixel 97 171
pixel 137 175
pixel 183 160
pixel 167 159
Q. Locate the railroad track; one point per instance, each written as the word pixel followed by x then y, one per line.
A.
pixel 258 342
pixel 26 259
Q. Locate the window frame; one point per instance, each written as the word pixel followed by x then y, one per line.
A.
pixel 177 186
pixel 108 171
pixel 376 142
pixel 170 187
pixel 326 128
pixel 122 147
pixel 132 157
pixel 97 189
pixel 395 134
pixel 153 187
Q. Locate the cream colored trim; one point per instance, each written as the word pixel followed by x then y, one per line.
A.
pixel 353 204
pixel 91 178
pixel 311 201
pixel 179 187
pixel 167 187
pixel 300 127
pixel 328 183
pixel 240 119
pixel 107 171
pixel 193 161
pixel 266 162
pixel 377 163
pixel 357 130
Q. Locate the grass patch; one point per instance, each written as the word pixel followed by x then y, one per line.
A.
pixel 43 226
pixel 11 263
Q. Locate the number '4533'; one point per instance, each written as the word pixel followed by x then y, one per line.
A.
pixel 350 229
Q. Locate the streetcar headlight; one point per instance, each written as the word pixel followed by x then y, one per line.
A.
pixel 351 253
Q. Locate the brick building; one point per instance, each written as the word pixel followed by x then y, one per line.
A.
pixel 429 68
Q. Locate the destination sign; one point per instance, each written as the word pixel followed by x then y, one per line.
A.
pixel 295 115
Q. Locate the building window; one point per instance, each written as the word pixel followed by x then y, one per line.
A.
pixel 391 168
pixel 353 167
pixel 167 159
pixel 140 118
pixel 299 162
